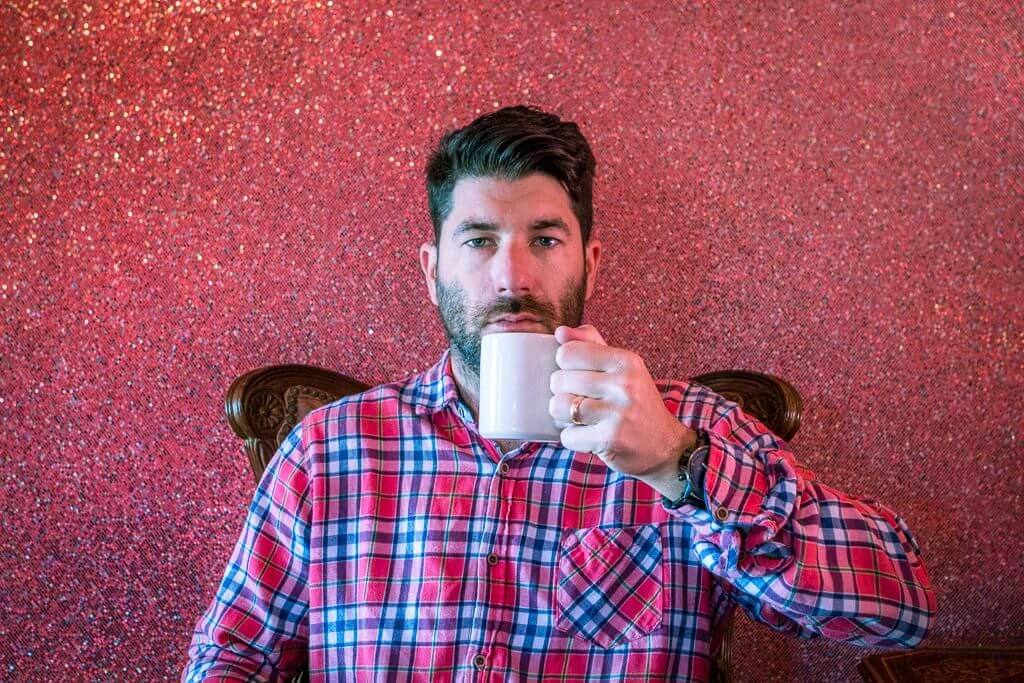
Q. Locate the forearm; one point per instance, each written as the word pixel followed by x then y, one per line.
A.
pixel 797 550
pixel 256 627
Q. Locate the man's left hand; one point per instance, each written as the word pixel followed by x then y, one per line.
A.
pixel 626 422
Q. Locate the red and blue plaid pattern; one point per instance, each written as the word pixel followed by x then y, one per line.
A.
pixel 387 540
pixel 609 585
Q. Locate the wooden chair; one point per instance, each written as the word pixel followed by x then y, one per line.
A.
pixel 263 405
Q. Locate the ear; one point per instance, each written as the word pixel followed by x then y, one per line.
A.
pixel 428 262
pixel 592 254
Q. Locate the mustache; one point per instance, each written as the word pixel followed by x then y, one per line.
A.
pixel 516 307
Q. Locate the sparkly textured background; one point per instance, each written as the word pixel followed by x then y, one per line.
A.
pixel 189 191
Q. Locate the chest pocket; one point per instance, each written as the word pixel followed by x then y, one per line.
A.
pixel 610 583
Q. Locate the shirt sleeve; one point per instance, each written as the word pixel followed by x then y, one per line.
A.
pixel 796 554
pixel 256 628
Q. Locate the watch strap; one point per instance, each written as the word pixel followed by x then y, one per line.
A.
pixel 692 466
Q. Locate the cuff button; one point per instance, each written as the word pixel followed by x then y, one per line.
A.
pixel 721 514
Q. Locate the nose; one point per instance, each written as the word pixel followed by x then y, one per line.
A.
pixel 514 270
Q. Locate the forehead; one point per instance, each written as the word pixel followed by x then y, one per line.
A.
pixel 510 204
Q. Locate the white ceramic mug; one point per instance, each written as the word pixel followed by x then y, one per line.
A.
pixel 515 386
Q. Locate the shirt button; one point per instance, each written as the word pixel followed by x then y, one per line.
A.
pixel 721 514
pixel 480 662
pixel 492 559
pixel 504 468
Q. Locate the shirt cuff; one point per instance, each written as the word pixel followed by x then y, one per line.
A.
pixel 750 492
pixel 735 486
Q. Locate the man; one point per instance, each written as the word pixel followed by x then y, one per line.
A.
pixel 388 540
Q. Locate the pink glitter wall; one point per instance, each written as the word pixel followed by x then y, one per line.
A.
pixel 826 193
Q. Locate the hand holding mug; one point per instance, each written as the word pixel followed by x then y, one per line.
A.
pixel 624 420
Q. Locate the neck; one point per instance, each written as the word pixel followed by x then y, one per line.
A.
pixel 467 382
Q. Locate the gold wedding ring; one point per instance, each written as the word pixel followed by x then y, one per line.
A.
pixel 574 412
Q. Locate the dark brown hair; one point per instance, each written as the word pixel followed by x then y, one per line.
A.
pixel 512 143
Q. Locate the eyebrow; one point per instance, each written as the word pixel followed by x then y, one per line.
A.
pixel 487 226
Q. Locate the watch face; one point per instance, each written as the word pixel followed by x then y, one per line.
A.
pixel 697 465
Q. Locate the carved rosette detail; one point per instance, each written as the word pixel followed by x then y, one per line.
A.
pixel 266 410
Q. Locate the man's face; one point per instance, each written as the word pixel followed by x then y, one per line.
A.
pixel 508 247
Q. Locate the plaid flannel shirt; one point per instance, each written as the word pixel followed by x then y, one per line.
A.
pixel 388 540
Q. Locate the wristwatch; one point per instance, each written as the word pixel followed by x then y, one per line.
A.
pixel 692 464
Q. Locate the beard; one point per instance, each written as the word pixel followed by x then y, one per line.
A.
pixel 463 323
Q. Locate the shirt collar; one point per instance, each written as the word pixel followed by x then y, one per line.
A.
pixel 435 389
